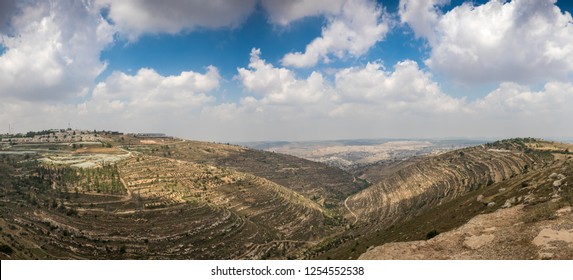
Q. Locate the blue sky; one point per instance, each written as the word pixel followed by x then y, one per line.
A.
pixel 170 54
pixel 289 70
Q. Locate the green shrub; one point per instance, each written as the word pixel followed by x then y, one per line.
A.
pixel 6 249
pixel 431 234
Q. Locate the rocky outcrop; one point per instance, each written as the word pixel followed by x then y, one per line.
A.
pixel 499 235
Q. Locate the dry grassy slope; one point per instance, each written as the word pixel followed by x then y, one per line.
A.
pixel 326 185
pixel 161 182
pixel 202 200
pixel 533 188
pixel 419 184
pixel 173 209
pixel 531 219
pixel 187 200
pixel 196 231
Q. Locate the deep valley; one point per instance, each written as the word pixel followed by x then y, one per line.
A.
pixel 68 194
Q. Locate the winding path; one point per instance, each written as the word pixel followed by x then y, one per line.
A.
pixel 351 212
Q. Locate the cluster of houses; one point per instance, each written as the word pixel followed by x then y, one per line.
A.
pixel 67 136
pixel 52 136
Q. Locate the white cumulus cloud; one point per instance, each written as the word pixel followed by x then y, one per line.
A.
pixel 134 17
pixel 524 41
pixel 283 12
pixel 147 92
pixel 405 88
pixel 511 99
pixel 280 85
pixel 421 15
pixel 352 32
pixel 52 51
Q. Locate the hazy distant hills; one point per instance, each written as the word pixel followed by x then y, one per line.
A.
pixel 350 154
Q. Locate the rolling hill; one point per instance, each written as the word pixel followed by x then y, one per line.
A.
pixel 122 196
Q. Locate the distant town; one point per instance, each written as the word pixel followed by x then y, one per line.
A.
pixel 68 136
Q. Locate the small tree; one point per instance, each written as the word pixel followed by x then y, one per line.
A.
pixel 6 249
pixel 431 234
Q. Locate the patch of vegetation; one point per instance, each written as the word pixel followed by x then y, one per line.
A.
pixel 6 249
pixel 431 234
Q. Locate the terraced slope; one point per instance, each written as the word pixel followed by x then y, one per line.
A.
pixel 413 186
pixel 177 199
pixel 195 231
pixel 155 207
pixel 326 185
pixel 160 182
pixel 526 217
pixel 422 216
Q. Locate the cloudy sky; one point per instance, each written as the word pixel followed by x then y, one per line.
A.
pixel 242 70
